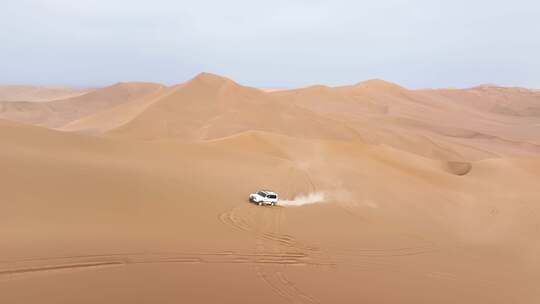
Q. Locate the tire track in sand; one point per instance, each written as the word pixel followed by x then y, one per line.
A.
pixel 27 267
pixel 269 239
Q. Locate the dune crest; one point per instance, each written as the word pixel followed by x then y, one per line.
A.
pixel 57 113
pixel 38 93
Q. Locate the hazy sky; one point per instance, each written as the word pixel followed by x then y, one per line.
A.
pixel 416 43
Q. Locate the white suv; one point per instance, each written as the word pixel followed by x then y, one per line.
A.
pixel 264 197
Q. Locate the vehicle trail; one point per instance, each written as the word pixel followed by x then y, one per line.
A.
pixel 274 275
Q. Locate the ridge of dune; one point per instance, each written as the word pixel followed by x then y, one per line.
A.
pixel 509 102
pixel 108 119
pixel 491 86
pixel 375 111
pixel 295 149
pixel 57 113
pixel 210 106
pixel 38 93
pixel 256 141
pixel 210 79
pixel 419 121
pixel 379 84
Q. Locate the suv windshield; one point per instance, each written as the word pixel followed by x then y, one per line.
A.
pixel 261 194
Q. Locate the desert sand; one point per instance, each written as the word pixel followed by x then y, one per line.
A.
pixel 137 193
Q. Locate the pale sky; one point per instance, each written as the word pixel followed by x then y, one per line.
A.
pixel 278 43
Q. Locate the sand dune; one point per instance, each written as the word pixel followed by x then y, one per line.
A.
pixel 503 101
pixel 210 106
pixel 38 94
pixel 394 196
pixel 103 121
pixel 376 112
pixel 456 125
pixel 382 112
pixel 58 113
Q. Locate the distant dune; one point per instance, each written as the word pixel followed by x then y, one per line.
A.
pixel 375 111
pixel 37 93
pixel 210 106
pixel 492 99
pixel 58 113
pixel 138 193
pixel 115 116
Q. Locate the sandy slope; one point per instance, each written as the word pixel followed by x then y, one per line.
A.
pixel 38 94
pixel 416 209
pixel 58 113
pixel 498 100
pixel 441 124
pixel 422 123
pixel 210 106
pixel 375 111
pixel 103 121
